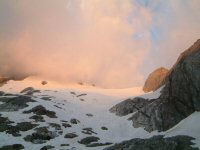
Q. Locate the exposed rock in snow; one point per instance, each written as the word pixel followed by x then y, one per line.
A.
pixel 66 125
pixel 40 110
pixel 88 131
pixel 44 82
pixel 47 147
pixel 37 118
pixel 156 143
pixel 42 135
pixel 104 128
pixel 29 91
pixel 129 106
pixel 70 135
pixel 155 80
pixel 74 121
pixel 14 103
pixel 89 140
pixel 12 147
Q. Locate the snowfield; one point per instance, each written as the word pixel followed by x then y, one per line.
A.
pixel 90 106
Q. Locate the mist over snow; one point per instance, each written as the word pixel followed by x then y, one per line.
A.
pixel 109 43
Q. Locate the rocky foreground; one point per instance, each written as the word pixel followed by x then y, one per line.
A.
pixel 156 143
pixel 42 125
pixel 33 119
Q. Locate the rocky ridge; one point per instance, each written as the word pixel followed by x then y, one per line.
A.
pixel 179 98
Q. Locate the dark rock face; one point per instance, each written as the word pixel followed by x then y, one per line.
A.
pixel 104 128
pixel 88 140
pixel 64 144
pixel 74 121
pixel 129 106
pixel 22 126
pixel 89 115
pixel 37 118
pixel 179 98
pixel 12 147
pixel 25 126
pixel 44 82
pixel 47 147
pixel 88 131
pixel 5 123
pixel 40 110
pixel 66 125
pixel 42 135
pixel 70 135
pixel 29 91
pixel 6 126
pixel 155 80
pixel 55 125
pixel 98 144
pixel 46 98
pixel 81 95
pixel 156 143
pixel 14 103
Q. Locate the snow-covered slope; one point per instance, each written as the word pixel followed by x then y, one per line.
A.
pixel 90 106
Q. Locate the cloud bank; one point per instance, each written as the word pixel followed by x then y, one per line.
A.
pixel 110 43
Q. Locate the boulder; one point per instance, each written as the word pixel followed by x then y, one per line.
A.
pixel 88 140
pixel 74 121
pixel 44 82
pixel 70 135
pixel 40 110
pixel 155 80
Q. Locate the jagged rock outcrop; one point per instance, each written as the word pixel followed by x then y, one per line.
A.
pixel 179 98
pixel 129 106
pixel 155 80
pixel 156 143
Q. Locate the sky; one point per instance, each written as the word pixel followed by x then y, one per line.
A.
pixel 109 43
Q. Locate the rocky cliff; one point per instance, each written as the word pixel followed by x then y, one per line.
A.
pixel 179 98
pixel 155 80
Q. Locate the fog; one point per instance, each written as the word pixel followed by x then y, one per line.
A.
pixel 109 43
